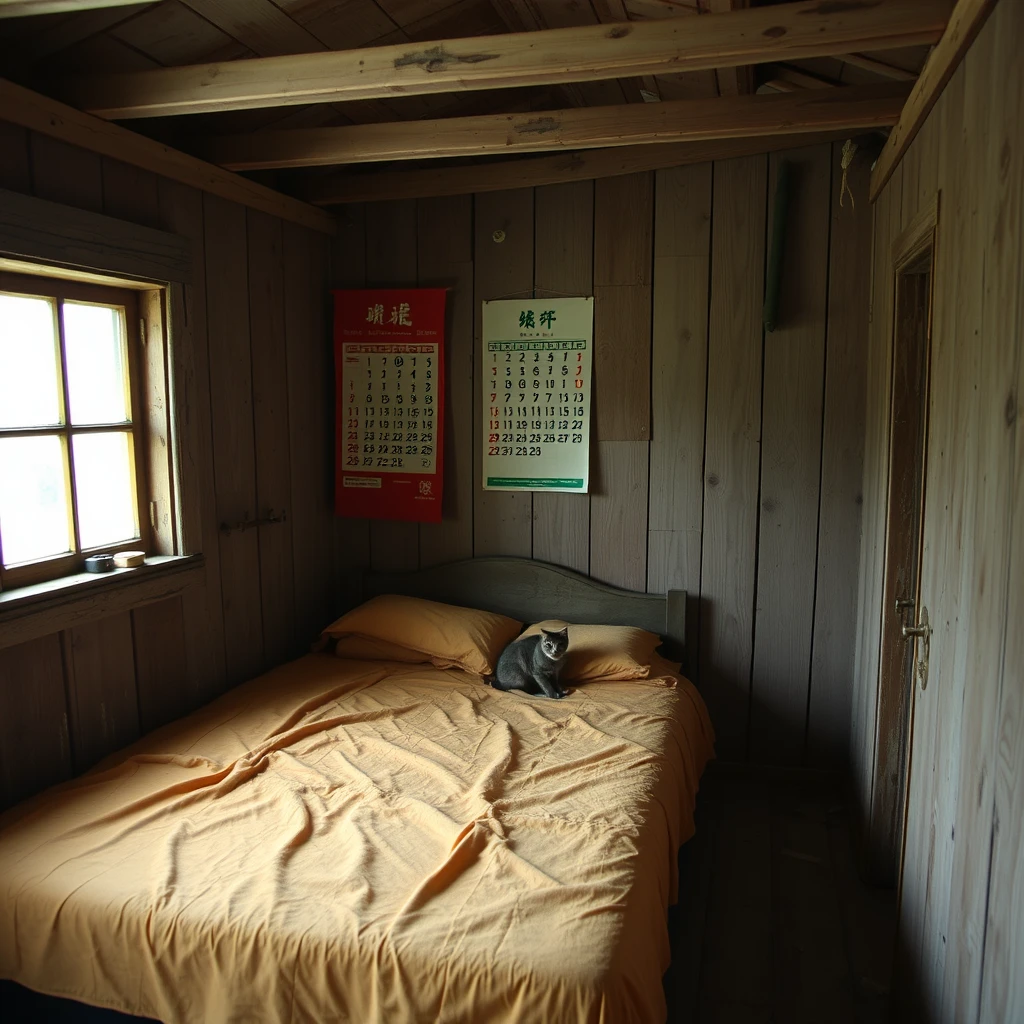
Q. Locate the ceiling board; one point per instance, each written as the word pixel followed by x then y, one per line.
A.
pixel 341 24
pixel 405 12
pixel 172 34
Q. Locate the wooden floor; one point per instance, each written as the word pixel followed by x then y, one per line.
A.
pixel 777 926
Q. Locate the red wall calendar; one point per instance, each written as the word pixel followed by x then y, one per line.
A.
pixel 389 379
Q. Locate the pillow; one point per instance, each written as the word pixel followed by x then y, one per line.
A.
pixel 360 648
pixel 604 652
pixel 461 637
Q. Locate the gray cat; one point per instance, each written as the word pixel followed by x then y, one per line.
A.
pixel 534 663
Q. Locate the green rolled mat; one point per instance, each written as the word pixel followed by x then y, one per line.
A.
pixel 778 247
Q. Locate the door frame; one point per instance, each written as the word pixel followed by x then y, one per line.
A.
pixel 885 834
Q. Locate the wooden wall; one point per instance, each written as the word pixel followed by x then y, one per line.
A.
pixel 724 463
pixel 254 339
pixel 962 910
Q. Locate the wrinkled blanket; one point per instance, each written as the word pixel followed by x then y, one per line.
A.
pixel 362 842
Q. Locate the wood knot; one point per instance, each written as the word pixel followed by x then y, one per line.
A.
pixel 769 505
pixel 712 479
pixel 619 32
pixel 1010 409
pixel 774 32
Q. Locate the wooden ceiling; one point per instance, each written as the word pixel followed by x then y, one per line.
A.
pixel 71 52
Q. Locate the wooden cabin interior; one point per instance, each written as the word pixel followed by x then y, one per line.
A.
pixel 802 226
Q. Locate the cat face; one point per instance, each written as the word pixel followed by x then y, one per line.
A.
pixel 554 642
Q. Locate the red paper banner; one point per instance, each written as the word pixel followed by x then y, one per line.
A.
pixel 389 379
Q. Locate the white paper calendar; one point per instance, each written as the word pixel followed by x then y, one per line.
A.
pixel 537 389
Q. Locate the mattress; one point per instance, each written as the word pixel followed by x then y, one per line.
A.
pixel 363 841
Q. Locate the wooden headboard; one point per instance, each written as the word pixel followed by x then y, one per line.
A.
pixel 531 591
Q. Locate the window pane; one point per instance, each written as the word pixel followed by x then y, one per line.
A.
pixel 29 366
pixel 34 520
pixel 95 356
pixel 104 482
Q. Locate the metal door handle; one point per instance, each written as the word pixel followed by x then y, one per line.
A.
pixel 922 633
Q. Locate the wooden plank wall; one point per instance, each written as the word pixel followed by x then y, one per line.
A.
pixel 723 463
pixel 962 910
pixel 252 336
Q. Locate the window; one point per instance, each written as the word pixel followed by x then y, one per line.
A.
pixel 72 454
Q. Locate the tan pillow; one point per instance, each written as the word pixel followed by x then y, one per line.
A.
pixel 465 637
pixel 360 648
pixel 604 652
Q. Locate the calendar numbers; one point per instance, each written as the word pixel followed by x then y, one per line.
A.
pixel 535 378
pixel 389 391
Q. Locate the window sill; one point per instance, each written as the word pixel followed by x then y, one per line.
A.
pixel 28 613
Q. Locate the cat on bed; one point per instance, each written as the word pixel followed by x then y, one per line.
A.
pixel 534 663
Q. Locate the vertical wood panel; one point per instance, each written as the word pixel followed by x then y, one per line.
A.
pixel 564 266
pixel 622 363
pixel 623 244
pixel 502 522
pixel 618 514
pixel 794 362
pixel 66 174
pixel 351 536
pixel 310 429
pixel 391 263
pixel 1002 988
pixel 34 748
pixel 1002 980
pixel 270 416
pixel 181 210
pixel 234 454
pixel 15 168
pixel 682 237
pixel 842 466
pixel 130 193
pixel 164 692
pixel 876 476
pixel 622 229
pixel 993 130
pixel 103 705
pixel 445 260
pixel 732 451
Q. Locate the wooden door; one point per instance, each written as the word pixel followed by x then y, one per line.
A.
pixel 900 601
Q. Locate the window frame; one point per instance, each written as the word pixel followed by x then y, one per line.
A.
pixel 62 290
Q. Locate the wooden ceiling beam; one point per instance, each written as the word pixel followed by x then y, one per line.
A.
pixel 964 24
pixel 577 165
pixel 808 28
pixel 29 8
pixel 860 108
pixel 858 60
pixel 41 114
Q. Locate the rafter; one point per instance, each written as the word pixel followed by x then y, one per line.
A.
pixel 808 28
pixel 27 8
pixel 576 165
pixel 41 114
pixel 964 24
pixel 858 60
pixel 860 108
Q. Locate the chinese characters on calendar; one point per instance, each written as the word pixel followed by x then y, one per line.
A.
pixel 389 351
pixel 537 387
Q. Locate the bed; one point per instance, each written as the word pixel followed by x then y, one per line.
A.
pixel 377 841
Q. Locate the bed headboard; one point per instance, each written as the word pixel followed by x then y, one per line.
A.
pixel 531 591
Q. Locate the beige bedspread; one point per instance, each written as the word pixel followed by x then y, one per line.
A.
pixel 361 842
